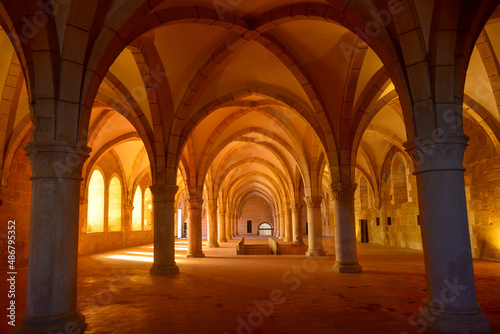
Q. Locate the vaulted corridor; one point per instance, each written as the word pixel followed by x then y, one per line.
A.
pixel 373 123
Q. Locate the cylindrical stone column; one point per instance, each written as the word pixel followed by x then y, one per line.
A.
pixel 164 230
pixel 53 250
pixel 296 227
pixel 288 225
pixel 276 221
pixel 451 305
pixel 315 236
pixel 194 228
pixel 232 227
pixel 282 218
pixel 346 254
pixel 228 225
pixel 222 226
pixel 236 229
pixel 212 226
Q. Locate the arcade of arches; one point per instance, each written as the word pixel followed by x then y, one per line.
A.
pixel 130 121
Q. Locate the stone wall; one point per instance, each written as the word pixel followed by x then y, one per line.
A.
pixel 482 183
pixel 104 241
pixel 258 211
pixel 482 187
pixel 396 209
pixel 16 205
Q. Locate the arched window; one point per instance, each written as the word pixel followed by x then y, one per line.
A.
pixel 115 206
pixel 95 208
pixel 265 229
pixel 399 190
pixel 148 210
pixel 137 211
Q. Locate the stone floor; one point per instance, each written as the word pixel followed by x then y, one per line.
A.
pixel 224 293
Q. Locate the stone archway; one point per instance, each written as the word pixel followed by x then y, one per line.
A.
pixel 265 229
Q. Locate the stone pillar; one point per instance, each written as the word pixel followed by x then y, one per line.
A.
pixel 53 250
pixel 296 227
pixel 451 306
pixel 236 229
pixel 276 225
pixel 228 225
pixel 194 228
pixel 232 226
pixel 212 226
pixel 288 225
pixel 222 226
pixel 282 218
pixel 346 254
pixel 128 208
pixel 315 236
pixel 164 229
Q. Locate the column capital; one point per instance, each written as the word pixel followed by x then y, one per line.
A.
pixel 164 192
pixel 57 160
pixel 194 204
pixel 437 153
pixel 343 190
pixel 212 208
pixel 314 201
pixel 296 208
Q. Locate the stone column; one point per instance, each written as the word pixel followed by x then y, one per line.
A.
pixel 212 226
pixel 276 225
pixel 288 225
pixel 346 254
pixel 164 229
pixel 53 250
pixel 315 236
pixel 127 227
pixel 222 226
pixel 236 229
pixel 451 306
pixel 228 225
pixel 296 227
pixel 194 228
pixel 282 218
pixel 232 226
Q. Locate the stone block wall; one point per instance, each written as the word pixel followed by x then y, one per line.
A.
pixel 16 205
pixel 104 241
pixel 482 188
pixel 482 185
pixel 258 211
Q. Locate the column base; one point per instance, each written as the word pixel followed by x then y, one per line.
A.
pixel 287 240
pixel 311 252
pixel 213 245
pixel 299 243
pixel 223 240
pixel 346 267
pixel 163 269
pixel 193 254
pixel 442 322
pixel 74 323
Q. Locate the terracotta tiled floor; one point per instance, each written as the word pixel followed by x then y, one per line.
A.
pixel 222 293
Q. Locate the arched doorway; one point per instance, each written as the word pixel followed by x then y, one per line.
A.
pixel 265 229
